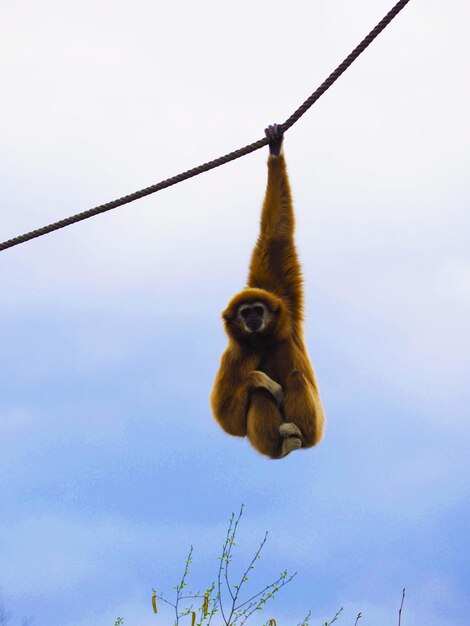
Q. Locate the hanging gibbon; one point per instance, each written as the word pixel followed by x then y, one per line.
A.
pixel 266 388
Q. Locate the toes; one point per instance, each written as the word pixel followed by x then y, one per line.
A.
pixel 290 444
pixel 289 430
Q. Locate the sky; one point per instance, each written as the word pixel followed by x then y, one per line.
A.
pixel 111 464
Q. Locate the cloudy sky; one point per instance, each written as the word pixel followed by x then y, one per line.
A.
pixel 111 465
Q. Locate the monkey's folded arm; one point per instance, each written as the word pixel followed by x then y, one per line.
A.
pixel 234 383
pixel 260 380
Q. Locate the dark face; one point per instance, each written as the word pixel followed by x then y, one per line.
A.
pixel 253 317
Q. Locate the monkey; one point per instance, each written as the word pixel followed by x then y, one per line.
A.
pixel 266 388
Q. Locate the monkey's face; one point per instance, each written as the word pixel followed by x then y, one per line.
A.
pixel 254 317
pixel 254 314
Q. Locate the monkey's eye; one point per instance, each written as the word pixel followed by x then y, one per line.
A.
pixel 258 310
pixel 245 313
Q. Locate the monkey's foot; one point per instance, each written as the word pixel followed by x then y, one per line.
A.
pixel 289 429
pixel 262 380
pixel 292 438
pixel 275 137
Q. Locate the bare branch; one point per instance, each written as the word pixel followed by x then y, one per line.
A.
pixel 401 606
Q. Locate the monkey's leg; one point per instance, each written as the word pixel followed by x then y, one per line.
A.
pixel 231 392
pixel 303 408
pixel 263 422
pixel 229 402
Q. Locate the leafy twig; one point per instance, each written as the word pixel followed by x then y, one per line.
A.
pixel 304 622
pixel 335 618
pixel 237 612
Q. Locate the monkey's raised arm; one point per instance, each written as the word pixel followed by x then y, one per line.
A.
pixel 274 263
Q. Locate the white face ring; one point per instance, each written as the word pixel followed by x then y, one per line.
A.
pixel 265 317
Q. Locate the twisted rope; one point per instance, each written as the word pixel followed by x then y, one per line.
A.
pixel 231 156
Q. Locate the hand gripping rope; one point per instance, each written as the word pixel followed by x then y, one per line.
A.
pixel 231 156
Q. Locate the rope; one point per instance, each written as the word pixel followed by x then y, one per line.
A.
pixel 231 156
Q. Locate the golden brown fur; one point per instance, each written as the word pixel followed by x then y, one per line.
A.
pixel 265 378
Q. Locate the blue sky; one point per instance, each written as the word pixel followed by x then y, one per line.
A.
pixel 110 462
